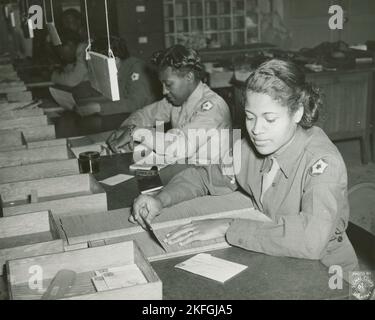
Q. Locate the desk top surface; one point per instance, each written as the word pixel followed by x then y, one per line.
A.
pixel 266 277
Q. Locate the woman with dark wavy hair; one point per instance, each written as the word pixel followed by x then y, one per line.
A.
pixel 290 169
pixel 188 104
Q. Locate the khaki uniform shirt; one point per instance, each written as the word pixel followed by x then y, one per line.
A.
pixel 204 110
pixel 307 201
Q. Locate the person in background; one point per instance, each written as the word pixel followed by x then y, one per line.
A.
pixel 72 54
pixel 72 20
pixel 188 104
pixel 289 168
pixel 138 85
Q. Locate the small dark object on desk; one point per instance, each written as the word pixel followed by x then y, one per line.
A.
pixel 148 180
pixel 89 162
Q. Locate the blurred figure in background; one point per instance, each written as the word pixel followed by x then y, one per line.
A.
pixel 72 54
pixel 138 84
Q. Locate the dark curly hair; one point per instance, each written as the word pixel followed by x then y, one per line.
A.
pixel 180 59
pixel 286 83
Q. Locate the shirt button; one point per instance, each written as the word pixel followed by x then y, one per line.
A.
pixel 339 239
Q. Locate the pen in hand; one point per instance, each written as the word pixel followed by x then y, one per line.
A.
pixel 142 210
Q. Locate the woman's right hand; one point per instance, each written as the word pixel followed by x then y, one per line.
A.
pixel 145 209
pixel 121 140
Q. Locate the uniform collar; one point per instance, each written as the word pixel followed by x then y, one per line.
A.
pixel 195 96
pixel 289 155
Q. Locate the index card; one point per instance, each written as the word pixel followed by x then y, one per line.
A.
pixel 117 179
pixel 207 266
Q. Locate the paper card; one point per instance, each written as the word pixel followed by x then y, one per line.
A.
pixel 63 98
pixel 117 179
pixel 99 283
pixel 118 277
pixel 211 267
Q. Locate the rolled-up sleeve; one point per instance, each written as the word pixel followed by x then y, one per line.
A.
pixel 305 234
pixel 205 128
pixel 196 182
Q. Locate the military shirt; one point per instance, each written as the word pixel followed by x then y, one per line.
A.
pixel 307 200
pixel 135 85
pixel 204 110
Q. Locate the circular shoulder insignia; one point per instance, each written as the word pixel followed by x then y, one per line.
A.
pixel 207 105
pixel 318 167
pixel 135 76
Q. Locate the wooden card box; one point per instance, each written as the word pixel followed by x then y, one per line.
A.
pixel 27 235
pixel 10 139
pixel 39 133
pixel 17 106
pixel 15 114
pixel 39 171
pixel 113 226
pixel 59 194
pixel 37 144
pixel 11 84
pixel 20 123
pixel 19 96
pixel 11 158
pixel 12 89
pixel 84 263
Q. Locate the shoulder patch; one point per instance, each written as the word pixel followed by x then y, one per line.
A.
pixel 318 167
pixel 207 105
pixel 134 76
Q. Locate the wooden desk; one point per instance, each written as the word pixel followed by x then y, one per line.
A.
pixel 267 277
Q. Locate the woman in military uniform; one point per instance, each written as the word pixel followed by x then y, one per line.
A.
pixel 188 104
pixel 291 170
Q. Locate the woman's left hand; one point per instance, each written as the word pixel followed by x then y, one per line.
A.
pixel 198 231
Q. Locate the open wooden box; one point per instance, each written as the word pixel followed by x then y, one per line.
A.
pixel 25 122
pixel 20 96
pixel 16 140
pixel 103 228
pixel 39 170
pixel 65 194
pixel 15 114
pixel 11 139
pixel 28 235
pixel 22 156
pixel 84 263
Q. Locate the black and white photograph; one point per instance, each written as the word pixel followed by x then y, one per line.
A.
pixel 187 154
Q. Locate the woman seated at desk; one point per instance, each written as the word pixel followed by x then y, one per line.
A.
pixel 290 169
pixel 188 104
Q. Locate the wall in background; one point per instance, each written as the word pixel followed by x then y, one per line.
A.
pixel 307 21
